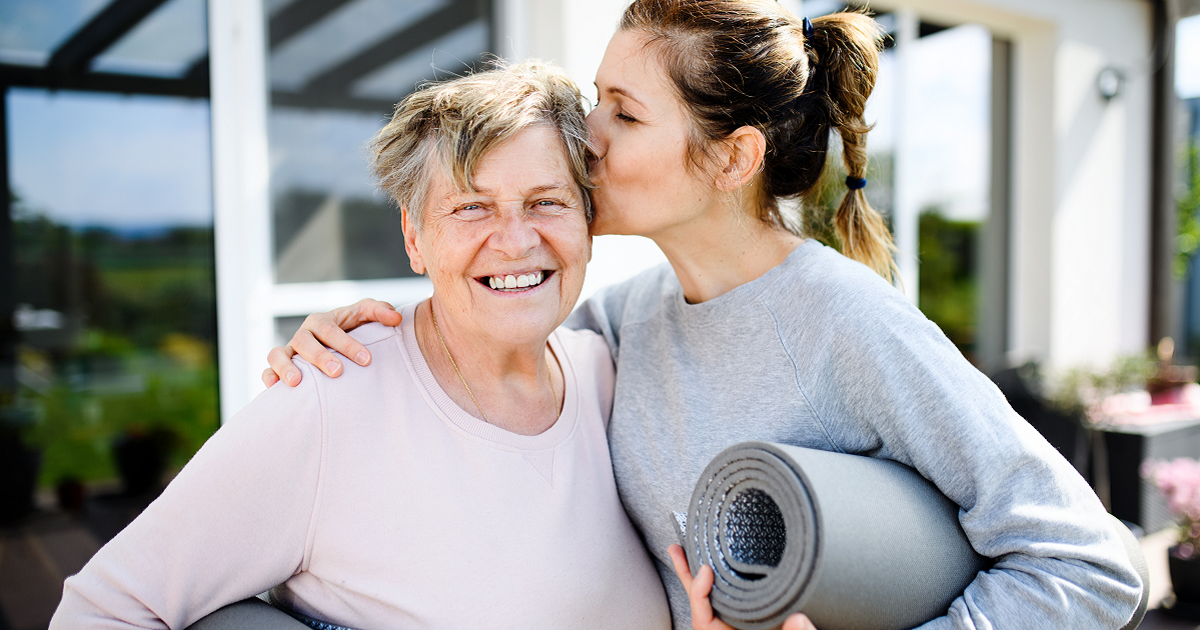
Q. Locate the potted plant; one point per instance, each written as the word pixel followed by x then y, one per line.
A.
pixel 1179 481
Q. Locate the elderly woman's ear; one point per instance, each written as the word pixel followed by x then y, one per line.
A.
pixel 410 244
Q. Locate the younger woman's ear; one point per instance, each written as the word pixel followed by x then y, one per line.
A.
pixel 740 158
pixel 415 260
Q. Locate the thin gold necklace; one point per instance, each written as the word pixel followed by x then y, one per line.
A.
pixel 438 330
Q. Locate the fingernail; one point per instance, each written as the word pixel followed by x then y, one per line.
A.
pixel 361 358
pixel 292 379
pixel 333 367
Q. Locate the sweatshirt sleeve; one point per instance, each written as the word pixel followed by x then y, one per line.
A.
pixel 896 379
pixel 235 522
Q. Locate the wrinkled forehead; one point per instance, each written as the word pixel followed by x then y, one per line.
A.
pixel 533 161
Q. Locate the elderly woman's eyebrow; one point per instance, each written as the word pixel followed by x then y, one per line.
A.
pixel 556 187
pixel 534 190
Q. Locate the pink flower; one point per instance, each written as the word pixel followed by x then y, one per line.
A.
pixel 1179 481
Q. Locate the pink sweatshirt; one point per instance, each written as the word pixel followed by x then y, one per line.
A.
pixel 375 502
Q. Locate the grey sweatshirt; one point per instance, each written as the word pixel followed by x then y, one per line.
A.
pixel 821 352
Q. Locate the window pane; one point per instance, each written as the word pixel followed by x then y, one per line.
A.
pixel 30 30
pixel 112 241
pixel 334 81
pixel 166 44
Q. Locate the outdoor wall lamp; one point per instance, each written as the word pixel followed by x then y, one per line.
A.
pixel 1109 82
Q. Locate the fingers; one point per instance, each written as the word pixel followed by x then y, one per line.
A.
pixel 313 351
pixel 679 559
pixel 362 312
pixel 798 621
pixel 698 589
pixel 702 612
pixel 280 360
pixel 369 310
pixel 269 377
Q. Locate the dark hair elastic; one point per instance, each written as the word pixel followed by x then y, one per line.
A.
pixel 855 183
pixel 808 28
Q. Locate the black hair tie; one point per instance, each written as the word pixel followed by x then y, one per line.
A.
pixel 855 183
pixel 808 28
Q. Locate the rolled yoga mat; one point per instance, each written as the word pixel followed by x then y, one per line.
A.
pixel 855 543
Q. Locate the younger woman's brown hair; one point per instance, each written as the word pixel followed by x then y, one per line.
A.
pixel 747 62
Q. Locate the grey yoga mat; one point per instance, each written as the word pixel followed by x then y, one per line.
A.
pixel 855 543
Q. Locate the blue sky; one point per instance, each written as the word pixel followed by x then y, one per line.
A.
pixel 126 162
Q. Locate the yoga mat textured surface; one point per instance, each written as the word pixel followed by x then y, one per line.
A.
pixel 855 543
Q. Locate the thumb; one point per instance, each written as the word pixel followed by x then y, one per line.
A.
pixel 798 621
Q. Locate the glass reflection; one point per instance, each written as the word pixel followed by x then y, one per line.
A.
pixel 334 79
pixel 112 244
pixel 30 30
pixel 166 44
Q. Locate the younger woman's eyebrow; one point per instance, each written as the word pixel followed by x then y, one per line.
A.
pixel 623 92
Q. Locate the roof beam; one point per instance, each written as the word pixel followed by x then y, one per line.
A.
pixel 103 30
pixel 298 16
pixel 398 44
pixel 331 100
pixel 26 76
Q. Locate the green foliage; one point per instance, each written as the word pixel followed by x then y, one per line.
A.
pixel 75 426
pixel 820 205
pixel 1081 387
pixel 947 281
pixel 135 354
pixel 1187 208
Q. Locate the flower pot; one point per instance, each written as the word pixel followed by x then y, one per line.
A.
pixel 19 466
pixel 141 459
pixel 1185 576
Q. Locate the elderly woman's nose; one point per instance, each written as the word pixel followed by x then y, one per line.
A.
pixel 516 235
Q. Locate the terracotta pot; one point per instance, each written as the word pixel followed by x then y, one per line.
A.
pixel 1185 576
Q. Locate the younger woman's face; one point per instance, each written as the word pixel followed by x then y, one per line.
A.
pixel 640 128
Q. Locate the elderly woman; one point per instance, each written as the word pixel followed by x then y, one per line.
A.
pixel 462 482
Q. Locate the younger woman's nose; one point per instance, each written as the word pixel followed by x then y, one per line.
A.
pixel 596 136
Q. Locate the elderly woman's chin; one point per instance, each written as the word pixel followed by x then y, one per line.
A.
pixel 529 314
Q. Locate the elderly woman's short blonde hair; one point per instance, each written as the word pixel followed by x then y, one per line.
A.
pixel 453 124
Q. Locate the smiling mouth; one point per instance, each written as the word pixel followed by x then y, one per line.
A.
pixel 515 283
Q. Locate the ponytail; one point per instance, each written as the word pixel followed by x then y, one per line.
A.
pixel 844 61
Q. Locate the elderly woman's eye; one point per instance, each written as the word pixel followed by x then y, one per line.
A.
pixel 625 117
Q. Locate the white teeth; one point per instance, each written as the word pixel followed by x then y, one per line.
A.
pixel 522 281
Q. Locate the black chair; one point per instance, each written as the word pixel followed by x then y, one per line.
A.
pixel 248 614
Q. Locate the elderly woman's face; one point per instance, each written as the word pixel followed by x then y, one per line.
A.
pixel 507 261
